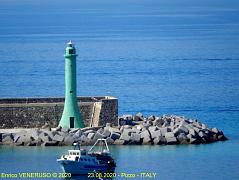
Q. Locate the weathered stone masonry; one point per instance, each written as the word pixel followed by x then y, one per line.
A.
pixel 35 112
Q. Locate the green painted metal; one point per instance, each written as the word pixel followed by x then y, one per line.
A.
pixel 71 116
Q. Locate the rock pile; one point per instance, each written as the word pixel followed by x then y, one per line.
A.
pixel 151 130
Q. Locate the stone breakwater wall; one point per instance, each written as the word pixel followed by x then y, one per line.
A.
pixel 36 112
pixel 152 131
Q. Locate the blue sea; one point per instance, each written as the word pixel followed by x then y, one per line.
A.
pixel 156 56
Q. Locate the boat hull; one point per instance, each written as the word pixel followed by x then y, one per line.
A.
pixel 77 168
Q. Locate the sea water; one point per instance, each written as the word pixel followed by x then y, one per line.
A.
pixel 156 57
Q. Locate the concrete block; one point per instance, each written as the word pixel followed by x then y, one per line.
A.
pixel 127 117
pixel 152 128
pixel 164 130
pixel 169 135
pixel 100 131
pixel 50 143
pixel 58 138
pixel 182 137
pixel 106 133
pixel 155 134
pixel 44 137
pixel 119 142
pixel 115 130
pixel 109 140
pixel 180 129
pixel 146 137
pixel 171 140
pixel 58 128
pixel 91 135
pixel 93 131
pixel 125 136
pixel 158 122
pixel 135 137
pixel 159 140
pixel 139 117
pixel 77 134
pixel 98 136
pixel 68 140
pixel 74 130
pixel 114 135
pixel 65 129
pixel 7 139
pixel 215 130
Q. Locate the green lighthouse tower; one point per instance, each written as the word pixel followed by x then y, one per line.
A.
pixel 71 116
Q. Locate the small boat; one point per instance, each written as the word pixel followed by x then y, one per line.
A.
pixel 80 161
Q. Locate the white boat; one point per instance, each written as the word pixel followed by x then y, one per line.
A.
pixel 80 161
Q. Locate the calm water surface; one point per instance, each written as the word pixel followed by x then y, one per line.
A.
pixel 157 57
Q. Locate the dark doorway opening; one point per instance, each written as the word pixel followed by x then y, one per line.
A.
pixel 71 122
